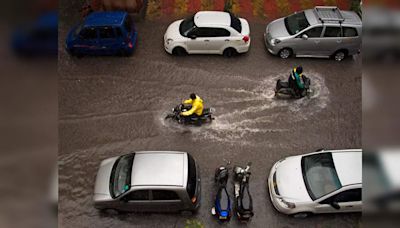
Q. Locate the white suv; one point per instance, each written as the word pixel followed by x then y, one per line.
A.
pixel 320 182
pixel 208 32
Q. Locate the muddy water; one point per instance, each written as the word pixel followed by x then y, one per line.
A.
pixel 112 105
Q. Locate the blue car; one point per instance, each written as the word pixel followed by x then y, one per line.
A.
pixel 103 33
pixel 37 38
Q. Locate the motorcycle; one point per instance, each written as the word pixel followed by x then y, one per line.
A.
pixel 206 117
pixel 243 200
pixel 222 208
pixel 283 90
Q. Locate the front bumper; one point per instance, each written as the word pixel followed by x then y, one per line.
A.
pixel 271 49
pixel 279 206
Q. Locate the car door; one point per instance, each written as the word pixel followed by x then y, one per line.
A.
pixel 165 200
pixel 199 39
pixel 138 200
pixel 108 40
pixel 347 201
pixel 307 43
pixel 332 40
pixel 88 41
pixel 219 38
pixel 351 39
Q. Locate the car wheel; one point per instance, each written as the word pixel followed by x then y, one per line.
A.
pixel 302 215
pixel 179 51
pixel 229 52
pixel 285 53
pixel 340 55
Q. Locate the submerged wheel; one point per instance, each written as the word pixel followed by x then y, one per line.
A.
pixel 179 51
pixel 302 215
pixel 229 52
pixel 340 55
pixel 285 53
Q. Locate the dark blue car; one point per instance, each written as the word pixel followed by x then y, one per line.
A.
pixel 103 33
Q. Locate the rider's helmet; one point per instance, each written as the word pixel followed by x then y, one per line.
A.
pixel 192 96
pixel 299 70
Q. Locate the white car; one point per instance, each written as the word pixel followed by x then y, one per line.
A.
pixel 320 182
pixel 208 32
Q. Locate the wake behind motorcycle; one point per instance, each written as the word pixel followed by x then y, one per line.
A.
pixel 206 117
pixel 283 90
pixel 243 199
pixel 222 203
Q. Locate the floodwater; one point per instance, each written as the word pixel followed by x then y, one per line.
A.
pixel 109 106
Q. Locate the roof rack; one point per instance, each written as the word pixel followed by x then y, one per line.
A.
pixel 328 13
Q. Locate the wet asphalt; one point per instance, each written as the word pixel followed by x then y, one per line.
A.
pixel 109 106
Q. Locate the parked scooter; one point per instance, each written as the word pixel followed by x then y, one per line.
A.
pixel 243 200
pixel 222 203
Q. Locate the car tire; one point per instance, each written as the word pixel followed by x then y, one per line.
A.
pixel 229 52
pixel 301 215
pixel 285 53
pixel 179 51
pixel 340 55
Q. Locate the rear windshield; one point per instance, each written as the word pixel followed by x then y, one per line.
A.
pixel 235 23
pixel 120 181
pixel 319 175
pixel 192 179
pixel 128 24
pixel 296 23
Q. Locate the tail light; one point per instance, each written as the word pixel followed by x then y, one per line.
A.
pixel 194 199
pixel 246 39
pixel 129 42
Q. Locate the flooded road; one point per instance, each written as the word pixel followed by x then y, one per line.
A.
pixel 109 106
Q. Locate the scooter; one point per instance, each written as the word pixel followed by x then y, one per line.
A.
pixel 222 203
pixel 206 117
pixel 243 200
pixel 283 90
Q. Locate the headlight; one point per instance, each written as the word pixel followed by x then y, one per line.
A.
pixel 169 40
pixel 288 204
pixel 275 41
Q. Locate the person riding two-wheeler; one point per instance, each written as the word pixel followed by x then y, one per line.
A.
pixel 296 81
pixel 197 106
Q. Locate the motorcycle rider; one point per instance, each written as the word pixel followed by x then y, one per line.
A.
pixel 296 81
pixel 197 106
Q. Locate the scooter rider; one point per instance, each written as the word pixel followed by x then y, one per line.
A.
pixel 197 106
pixel 296 81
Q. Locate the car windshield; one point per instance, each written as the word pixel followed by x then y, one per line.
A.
pixel 121 175
pixel 235 23
pixel 186 26
pixel 319 175
pixel 296 23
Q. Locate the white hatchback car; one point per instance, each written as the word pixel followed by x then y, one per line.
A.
pixel 320 182
pixel 208 32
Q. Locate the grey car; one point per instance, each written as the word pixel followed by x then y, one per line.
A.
pixel 320 32
pixel 148 181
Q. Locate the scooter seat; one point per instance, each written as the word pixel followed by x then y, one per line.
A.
pixel 224 202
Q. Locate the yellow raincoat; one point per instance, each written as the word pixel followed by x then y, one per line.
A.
pixel 197 107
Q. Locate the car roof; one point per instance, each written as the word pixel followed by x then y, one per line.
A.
pixel 159 168
pixel 105 18
pixel 349 18
pixel 348 165
pixel 212 18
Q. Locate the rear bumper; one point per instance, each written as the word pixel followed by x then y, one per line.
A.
pixel 244 48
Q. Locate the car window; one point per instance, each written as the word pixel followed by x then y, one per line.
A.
pixel 128 24
pixel 333 32
pixel 107 32
pixel 349 32
pixel 235 23
pixel 352 195
pixel 164 195
pixel 220 32
pixel 314 32
pixel 203 32
pixel 138 195
pixel 88 33
pixel 118 32
pixel 296 23
pixel 192 179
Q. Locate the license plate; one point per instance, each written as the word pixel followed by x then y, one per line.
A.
pixel 222 217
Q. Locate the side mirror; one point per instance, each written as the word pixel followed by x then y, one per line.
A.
pixel 335 205
pixel 304 37
pixel 192 36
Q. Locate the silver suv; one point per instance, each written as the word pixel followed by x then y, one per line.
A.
pixel 152 181
pixel 320 32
